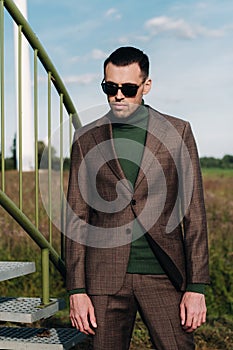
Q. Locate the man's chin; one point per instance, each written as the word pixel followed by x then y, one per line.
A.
pixel 124 111
pixel 121 114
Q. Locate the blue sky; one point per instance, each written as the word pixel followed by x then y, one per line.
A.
pixel 189 44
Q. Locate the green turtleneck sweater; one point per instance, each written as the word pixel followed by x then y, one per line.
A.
pixel 142 259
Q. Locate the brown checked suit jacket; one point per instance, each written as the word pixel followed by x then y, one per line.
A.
pixel 167 201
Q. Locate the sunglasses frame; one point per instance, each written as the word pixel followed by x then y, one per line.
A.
pixel 122 88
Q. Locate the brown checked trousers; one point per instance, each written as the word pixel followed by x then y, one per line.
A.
pixel 158 304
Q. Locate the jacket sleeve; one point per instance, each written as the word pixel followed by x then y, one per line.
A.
pixel 194 215
pixel 77 213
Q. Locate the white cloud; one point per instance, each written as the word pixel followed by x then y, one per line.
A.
pixel 180 28
pixel 210 33
pixel 95 54
pixel 162 24
pixel 76 59
pixel 126 40
pixel 202 5
pixel 83 79
pixel 98 54
pixel 113 13
pixel 123 40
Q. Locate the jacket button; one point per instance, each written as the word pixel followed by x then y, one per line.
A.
pixel 128 231
pixel 133 201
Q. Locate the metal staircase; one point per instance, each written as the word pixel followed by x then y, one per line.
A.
pixel 39 339
pixel 28 310
pixel 12 269
pixel 18 314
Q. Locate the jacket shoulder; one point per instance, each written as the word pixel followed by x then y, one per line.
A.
pixel 88 128
pixel 175 121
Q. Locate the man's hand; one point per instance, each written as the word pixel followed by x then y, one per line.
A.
pixel 82 313
pixel 192 311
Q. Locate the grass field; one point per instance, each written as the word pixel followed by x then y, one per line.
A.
pixel 217 172
pixel 215 335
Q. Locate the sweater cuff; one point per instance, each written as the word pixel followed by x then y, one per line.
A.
pixel 77 291
pixel 196 287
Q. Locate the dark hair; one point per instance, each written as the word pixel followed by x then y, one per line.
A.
pixel 127 55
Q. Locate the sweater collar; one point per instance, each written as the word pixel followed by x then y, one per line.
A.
pixel 136 119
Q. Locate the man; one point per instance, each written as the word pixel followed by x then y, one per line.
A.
pixel 136 225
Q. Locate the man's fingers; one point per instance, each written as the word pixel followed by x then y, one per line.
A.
pixel 76 322
pixel 188 326
pixel 81 324
pixel 193 321
pixel 88 329
pixel 203 320
pixel 182 314
pixel 92 317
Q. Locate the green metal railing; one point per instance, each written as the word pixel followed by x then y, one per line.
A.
pixel 53 79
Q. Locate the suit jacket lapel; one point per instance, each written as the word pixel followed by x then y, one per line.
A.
pixel 101 134
pixel 155 134
pixel 157 128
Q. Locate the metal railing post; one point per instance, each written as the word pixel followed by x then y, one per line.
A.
pixel 36 138
pixel 49 159
pixel 45 275
pixel 62 180
pixel 2 95
pixel 20 126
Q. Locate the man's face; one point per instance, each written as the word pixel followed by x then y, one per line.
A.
pixel 121 105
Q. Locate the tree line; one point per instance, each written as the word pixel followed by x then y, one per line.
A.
pixel 226 162
pixel 43 158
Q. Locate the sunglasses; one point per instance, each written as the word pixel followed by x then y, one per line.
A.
pixel 127 89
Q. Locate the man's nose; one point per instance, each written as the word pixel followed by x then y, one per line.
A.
pixel 119 95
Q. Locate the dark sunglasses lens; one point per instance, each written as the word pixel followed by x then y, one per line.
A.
pixel 109 89
pixel 129 90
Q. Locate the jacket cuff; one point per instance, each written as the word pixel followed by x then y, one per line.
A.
pixel 196 287
pixel 77 291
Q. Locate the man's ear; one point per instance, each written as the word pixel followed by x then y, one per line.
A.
pixel 147 86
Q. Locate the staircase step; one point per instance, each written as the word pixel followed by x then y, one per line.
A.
pixel 12 269
pixel 39 338
pixel 27 310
